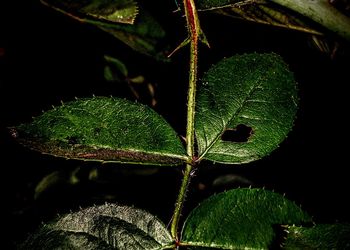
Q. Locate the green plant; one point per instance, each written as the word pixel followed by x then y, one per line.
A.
pixel 245 107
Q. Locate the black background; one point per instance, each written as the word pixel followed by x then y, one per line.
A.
pixel 47 57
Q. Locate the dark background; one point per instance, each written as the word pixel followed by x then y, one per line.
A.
pixel 46 57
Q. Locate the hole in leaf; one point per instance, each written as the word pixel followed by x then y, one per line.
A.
pixel 241 133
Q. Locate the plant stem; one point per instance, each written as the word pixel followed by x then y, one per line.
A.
pixel 180 201
pixel 191 98
pixel 195 33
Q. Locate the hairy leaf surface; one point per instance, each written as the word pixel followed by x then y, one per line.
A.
pixel 240 219
pixel 246 107
pixel 323 236
pixel 106 129
pixel 106 226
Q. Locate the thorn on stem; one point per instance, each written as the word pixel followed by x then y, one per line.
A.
pixel 183 44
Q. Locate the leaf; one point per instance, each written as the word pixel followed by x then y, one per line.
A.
pixel 320 237
pixel 270 14
pixel 106 226
pixel 105 129
pixel 240 219
pixel 119 11
pixel 212 4
pixel 245 109
pixel 113 68
pixel 145 35
pixel 321 12
pixel 291 14
pixel 56 178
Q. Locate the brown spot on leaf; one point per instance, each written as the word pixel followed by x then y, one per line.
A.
pixel 79 151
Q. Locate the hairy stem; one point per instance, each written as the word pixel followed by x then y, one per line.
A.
pixel 180 201
pixel 195 33
pixel 191 99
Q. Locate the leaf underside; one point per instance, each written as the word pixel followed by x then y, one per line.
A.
pixel 144 36
pixel 320 237
pixel 142 33
pixel 261 11
pixel 246 107
pixel 240 219
pixel 106 226
pixel 305 16
pixel 119 11
pixel 105 129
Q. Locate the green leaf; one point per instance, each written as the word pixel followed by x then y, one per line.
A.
pixel 145 35
pixel 292 14
pixel 114 69
pixel 245 109
pixel 56 178
pixel 105 129
pixel 213 4
pixel 119 11
pixel 320 237
pixel 269 14
pixel 321 12
pixel 106 226
pixel 240 219
pixel 114 65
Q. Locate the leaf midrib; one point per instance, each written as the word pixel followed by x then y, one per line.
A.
pixel 206 245
pixel 251 91
pixel 130 224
